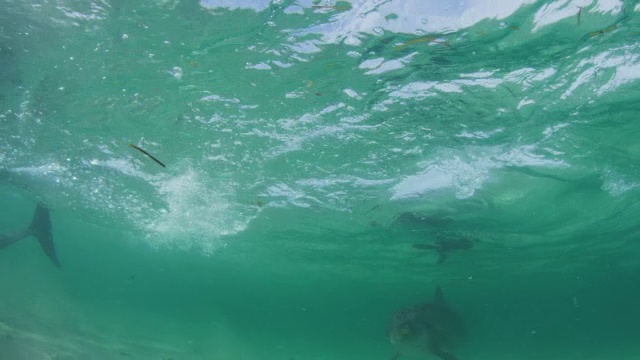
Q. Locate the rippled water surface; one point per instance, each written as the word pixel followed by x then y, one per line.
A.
pixel 325 164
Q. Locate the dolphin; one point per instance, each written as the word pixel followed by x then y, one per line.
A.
pixel 432 327
pixel 40 228
pixel 447 243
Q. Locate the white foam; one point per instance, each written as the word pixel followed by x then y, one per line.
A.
pixel 218 98
pixel 465 173
pixel 616 185
pixel 259 66
pixel 557 10
pixel 352 93
pixel 125 166
pixel 289 195
pixel 198 213
pixel 422 89
pixel 257 5
pixel 409 17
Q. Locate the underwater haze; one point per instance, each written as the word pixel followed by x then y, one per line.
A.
pixel 320 166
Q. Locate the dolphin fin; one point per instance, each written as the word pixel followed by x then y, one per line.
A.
pixel 41 228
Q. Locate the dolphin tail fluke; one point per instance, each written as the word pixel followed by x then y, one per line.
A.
pixel 41 228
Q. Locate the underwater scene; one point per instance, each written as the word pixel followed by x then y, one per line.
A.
pixel 319 180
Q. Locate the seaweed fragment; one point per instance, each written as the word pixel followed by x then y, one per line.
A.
pixel 149 155
pixel 579 13
pixel 603 31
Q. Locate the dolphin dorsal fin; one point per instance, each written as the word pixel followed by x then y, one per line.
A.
pixel 438 295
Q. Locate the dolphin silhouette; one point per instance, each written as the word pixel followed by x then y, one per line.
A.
pixel 431 327
pixel 40 228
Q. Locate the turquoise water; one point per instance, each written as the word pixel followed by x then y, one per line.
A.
pixel 308 145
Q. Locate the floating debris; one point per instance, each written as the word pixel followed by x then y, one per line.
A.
pixel 606 30
pixel 579 13
pixel 149 155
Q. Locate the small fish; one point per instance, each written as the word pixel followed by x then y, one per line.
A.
pixel 149 155
pixel 445 244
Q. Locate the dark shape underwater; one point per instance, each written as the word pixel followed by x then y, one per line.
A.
pixel 445 244
pixel 424 221
pixel 428 328
pixel 40 228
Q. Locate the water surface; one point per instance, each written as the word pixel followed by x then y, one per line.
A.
pixel 295 135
